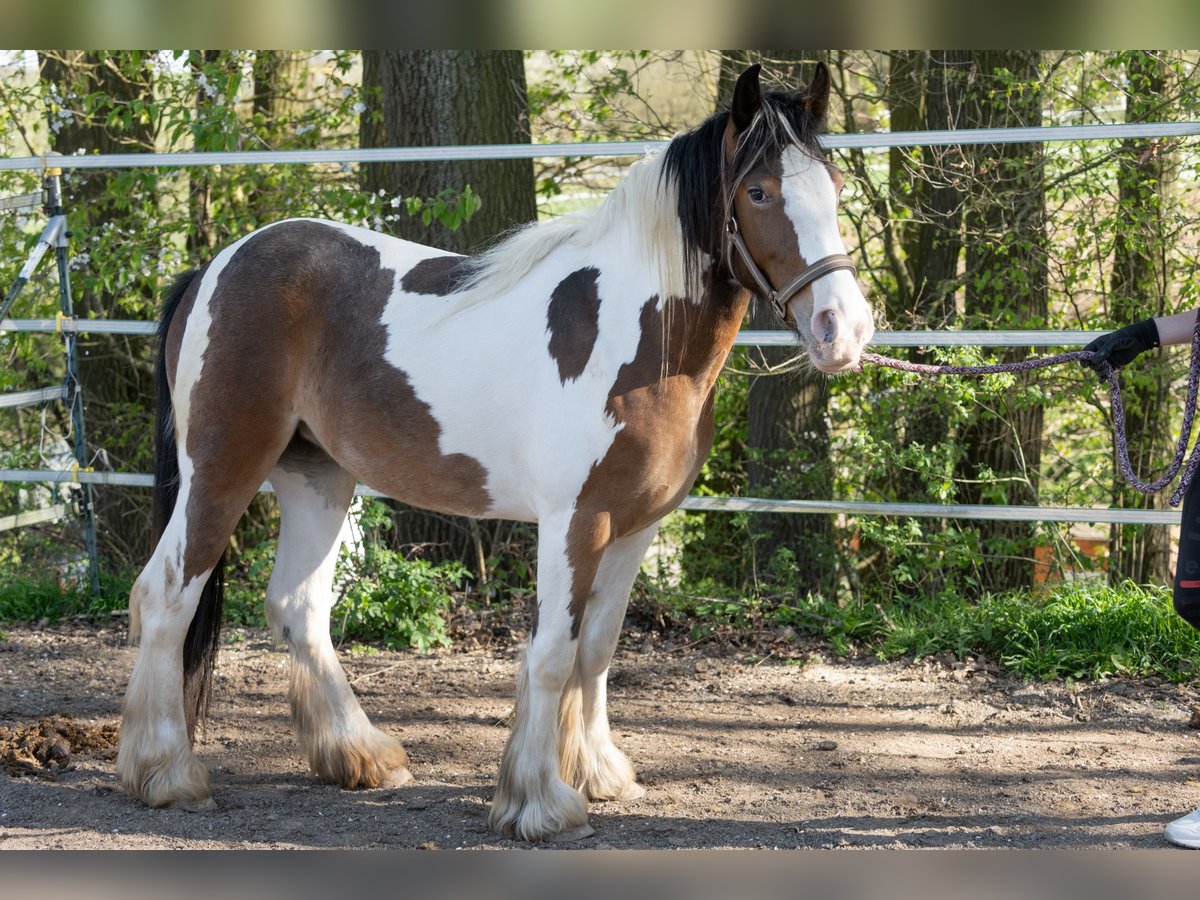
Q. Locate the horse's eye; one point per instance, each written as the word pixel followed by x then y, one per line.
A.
pixel 757 194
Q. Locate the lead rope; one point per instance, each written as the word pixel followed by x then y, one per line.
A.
pixel 1118 408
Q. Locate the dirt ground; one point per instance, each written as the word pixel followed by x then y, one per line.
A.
pixel 777 749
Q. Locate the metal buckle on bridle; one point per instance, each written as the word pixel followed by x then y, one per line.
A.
pixel 779 298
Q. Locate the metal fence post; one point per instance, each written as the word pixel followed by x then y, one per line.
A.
pixel 52 185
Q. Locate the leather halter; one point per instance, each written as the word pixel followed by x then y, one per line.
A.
pixel 779 298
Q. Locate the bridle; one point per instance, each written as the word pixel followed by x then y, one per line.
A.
pixel 732 240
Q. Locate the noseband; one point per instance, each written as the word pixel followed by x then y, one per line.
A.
pixel 779 298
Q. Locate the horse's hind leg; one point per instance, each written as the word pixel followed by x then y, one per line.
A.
pixel 590 760
pixel 341 745
pixel 155 760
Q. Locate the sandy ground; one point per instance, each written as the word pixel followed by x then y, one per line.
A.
pixel 790 749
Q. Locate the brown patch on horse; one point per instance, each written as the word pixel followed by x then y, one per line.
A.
pixel 378 429
pixel 296 342
pixel 440 275
pixel 304 456
pixel 573 321
pixel 664 399
pixel 178 324
pixel 768 230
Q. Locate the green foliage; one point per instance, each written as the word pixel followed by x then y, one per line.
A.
pixel 402 602
pixel 1080 630
pixel 1070 631
pixel 246 580
pixel 383 596
pixel 133 230
pixel 450 207
pixel 34 597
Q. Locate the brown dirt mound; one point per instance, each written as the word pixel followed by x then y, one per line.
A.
pixel 47 747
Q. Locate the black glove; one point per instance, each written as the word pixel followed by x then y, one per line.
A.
pixel 1121 346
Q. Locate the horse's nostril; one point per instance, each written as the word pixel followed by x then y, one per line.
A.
pixel 825 326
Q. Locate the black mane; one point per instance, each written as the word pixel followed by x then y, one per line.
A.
pixel 692 162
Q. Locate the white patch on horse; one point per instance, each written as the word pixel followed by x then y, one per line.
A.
pixel 841 321
pixel 524 425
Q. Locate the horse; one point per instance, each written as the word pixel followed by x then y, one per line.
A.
pixel 564 376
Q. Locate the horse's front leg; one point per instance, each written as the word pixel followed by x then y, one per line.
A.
pixel 590 760
pixel 532 801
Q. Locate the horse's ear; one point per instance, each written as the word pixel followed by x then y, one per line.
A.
pixel 816 100
pixel 747 98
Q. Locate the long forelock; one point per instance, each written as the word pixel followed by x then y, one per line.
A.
pixel 782 121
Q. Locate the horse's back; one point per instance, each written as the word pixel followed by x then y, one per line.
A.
pixel 286 337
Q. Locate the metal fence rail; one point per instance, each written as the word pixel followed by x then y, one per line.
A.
pixel 1098 515
pixel 29 398
pixel 746 338
pixel 1103 515
pixel 876 140
pixel 35 517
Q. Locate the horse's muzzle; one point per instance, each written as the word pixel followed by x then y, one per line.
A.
pixel 837 340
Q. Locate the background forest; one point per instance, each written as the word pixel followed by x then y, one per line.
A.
pixel 1071 235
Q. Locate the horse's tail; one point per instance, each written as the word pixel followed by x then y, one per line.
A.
pixel 200 645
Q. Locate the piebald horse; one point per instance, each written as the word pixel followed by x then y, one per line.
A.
pixel 564 377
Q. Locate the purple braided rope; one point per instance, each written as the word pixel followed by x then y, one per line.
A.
pixel 1118 408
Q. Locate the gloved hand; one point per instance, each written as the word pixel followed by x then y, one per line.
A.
pixel 1122 346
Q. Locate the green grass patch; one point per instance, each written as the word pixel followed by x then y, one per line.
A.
pixel 1068 631
pixel 384 596
pixel 1073 631
pixel 31 597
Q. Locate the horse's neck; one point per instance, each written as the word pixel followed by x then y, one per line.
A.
pixel 699 336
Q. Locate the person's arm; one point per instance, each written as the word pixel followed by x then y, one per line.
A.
pixel 1123 345
pixel 1176 329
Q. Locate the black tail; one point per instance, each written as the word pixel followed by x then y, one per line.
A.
pixel 200 646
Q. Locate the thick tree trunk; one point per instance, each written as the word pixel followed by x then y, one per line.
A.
pixel 925 92
pixel 419 98
pixel 1006 288
pixel 1139 279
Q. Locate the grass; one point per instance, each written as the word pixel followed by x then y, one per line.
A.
pixel 1070 631
pixel 29 597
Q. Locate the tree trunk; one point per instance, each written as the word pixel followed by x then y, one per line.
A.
pixel 925 92
pixel 419 98
pixel 1139 280
pixel 1006 289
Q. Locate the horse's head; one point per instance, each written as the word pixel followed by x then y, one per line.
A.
pixel 781 230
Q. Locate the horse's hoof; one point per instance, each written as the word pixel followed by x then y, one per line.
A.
pixel 208 804
pixel 397 778
pixel 578 833
pixel 633 791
